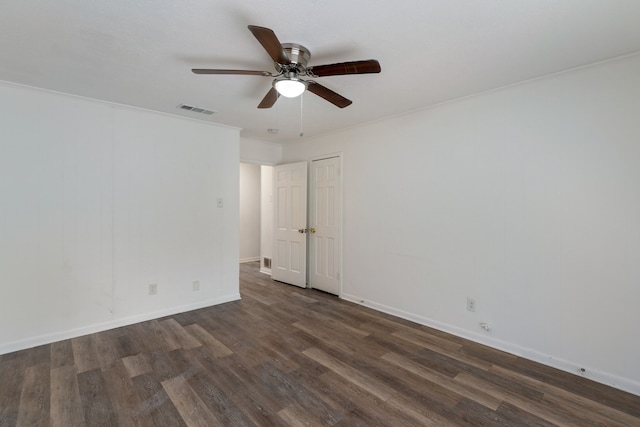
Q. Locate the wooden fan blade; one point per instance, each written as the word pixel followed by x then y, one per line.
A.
pixel 271 44
pixel 342 68
pixel 326 93
pixel 269 99
pixel 237 72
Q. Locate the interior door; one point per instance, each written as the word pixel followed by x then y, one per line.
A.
pixel 325 225
pixel 289 263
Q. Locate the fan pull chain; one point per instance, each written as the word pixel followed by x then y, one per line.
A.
pixel 301 98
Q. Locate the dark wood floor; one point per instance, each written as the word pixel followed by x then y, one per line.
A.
pixel 290 356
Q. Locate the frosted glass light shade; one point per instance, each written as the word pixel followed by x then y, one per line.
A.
pixel 290 87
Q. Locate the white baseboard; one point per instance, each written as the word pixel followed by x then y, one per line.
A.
pixel 265 270
pixel 243 260
pixel 606 378
pixel 99 327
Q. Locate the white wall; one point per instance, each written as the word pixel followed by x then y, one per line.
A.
pixel 525 198
pixel 266 217
pixel 249 212
pixel 98 202
pixel 260 152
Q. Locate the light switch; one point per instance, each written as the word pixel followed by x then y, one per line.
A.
pixel 220 203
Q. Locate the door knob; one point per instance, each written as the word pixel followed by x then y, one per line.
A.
pixel 313 230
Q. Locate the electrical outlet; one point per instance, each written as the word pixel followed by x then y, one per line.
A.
pixel 153 289
pixel 196 285
pixel 471 304
pixel 220 203
pixel 485 326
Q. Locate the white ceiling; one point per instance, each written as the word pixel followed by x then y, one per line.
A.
pixel 140 52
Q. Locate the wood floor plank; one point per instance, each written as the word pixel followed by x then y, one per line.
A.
pixel 514 416
pixel 491 355
pixel 249 352
pixel 128 344
pixel 360 379
pixel 439 362
pixel 66 405
pixel 471 413
pixel 304 298
pixel 472 393
pixel 563 397
pixel 98 407
pixel 580 386
pixel 216 347
pixel 594 411
pixel 124 397
pixel 61 354
pixel 397 324
pixel 419 413
pixel 286 387
pixel 333 320
pixel 261 298
pixel 440 348
pixel 11 378
pixel 274 352
pixel 420 390
pixel 35 406
pixel 137 365
pixel 327 401
pixel 147 338
pixel 510 385
pixel 327 336
pixel 250 394
pixel 168 340
pixel 211 388
pixel 193 411
pixel 154 403
pixel 278 319
pixel 296 416
pixel 359 407
pixel 561 417
pixel 183 338
pixel 106 348
pixel 426 340
pixel 36 355
pixel 84 353
pixel 390 343
pixel 162 366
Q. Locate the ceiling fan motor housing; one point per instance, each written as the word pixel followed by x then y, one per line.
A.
pixel 297 54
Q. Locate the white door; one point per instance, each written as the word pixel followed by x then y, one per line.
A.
pixel 289 263
pixel 325 225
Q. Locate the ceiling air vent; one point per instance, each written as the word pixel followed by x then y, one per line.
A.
pixel 195 109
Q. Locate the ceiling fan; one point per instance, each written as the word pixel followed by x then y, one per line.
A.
pixel 290 61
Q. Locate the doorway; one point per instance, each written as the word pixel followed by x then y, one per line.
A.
pixel 249 207
pixel 307 248
pixel 256 214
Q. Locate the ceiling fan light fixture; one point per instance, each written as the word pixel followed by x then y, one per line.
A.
pixel 290 87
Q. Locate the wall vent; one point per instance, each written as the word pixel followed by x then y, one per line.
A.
pixel 267 262
pixel 195 109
